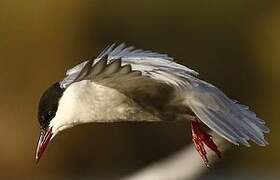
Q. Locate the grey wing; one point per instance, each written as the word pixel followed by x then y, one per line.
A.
pixel 118 75
pixel 156 66
pixel 142 69
pixel 233 121
pixel 143 90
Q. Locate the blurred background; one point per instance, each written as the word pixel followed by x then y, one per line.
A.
pixel 234 44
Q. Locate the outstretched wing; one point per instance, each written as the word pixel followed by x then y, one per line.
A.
pixel 117 66
pixel 233 121
pixel 150 64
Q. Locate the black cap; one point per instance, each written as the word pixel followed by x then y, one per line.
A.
pixel 48 104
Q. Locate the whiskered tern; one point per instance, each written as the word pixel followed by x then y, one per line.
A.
pixel 128 84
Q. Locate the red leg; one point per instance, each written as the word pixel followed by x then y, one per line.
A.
pixel 199 138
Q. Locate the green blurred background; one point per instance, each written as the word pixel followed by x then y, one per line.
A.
pixel 234 44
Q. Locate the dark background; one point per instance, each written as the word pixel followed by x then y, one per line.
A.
pixel 234 44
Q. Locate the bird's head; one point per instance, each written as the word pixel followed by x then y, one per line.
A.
pixel 47 109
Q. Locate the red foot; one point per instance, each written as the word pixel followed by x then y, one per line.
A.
pixel 199 138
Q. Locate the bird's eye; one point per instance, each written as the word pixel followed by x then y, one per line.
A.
pixel 49 115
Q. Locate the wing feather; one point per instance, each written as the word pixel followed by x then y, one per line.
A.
pixel 98 67
pixel 127 68
pixel 223 115
pixel 112 67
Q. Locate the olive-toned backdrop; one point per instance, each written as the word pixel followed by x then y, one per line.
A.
pixel 234 44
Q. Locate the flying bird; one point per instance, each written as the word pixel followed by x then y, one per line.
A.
pixel 128 84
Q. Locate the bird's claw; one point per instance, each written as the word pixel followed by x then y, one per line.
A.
pixel 199 138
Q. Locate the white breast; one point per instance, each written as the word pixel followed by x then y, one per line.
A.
pixel 86 101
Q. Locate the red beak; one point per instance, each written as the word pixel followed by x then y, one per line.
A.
pixel 43 142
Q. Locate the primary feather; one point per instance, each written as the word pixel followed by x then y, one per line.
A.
pixel 233 121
